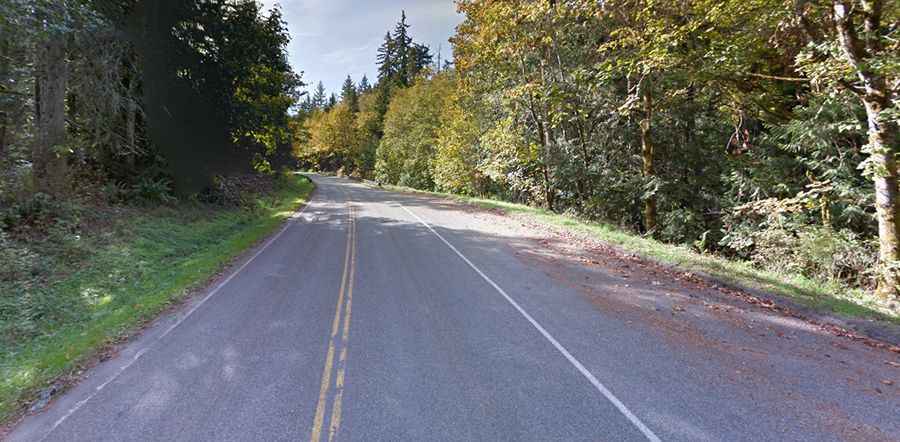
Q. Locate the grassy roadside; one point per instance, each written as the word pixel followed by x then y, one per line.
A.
pixel 149 260
pixel 823 296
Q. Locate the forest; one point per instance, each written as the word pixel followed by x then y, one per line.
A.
pixel 141 145
pixel 763 131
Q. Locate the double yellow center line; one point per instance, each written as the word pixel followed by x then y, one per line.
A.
pixel 336 342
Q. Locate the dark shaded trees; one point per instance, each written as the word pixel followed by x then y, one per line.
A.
pixel 222 67
pixel 48 155
pixel 134 92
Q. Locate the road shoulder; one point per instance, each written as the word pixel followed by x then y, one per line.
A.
pixel 582 247
pixel 127 339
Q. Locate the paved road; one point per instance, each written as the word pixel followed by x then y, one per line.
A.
pixel 381 316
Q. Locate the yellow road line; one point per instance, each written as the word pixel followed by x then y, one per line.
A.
pixel 342 364
pixel 346 286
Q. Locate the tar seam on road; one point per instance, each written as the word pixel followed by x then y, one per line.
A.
pixel 648 433
pixel 137 356
pixel 333 342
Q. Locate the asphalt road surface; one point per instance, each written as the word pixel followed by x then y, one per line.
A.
pixel 382 316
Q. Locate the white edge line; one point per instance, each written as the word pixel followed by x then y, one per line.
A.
pixel 187 315
pixel 581 368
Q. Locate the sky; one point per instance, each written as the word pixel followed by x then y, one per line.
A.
pixel 333 38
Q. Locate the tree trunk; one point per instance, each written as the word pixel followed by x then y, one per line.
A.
pixel 3 131
pixel 4 115
pixel 49 161
pixel 545 169
pixel 647 155
pixel 131 121
pixel 883 133
pixel 882 141
pixel 544 140
pixel 583 180
pixel 690 127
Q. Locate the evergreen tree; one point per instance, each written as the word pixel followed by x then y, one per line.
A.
pixel 319 99
pixel 418 58
pixel 400 59
pixel 349 95
pixel 306 106
pixel 386 60
pixel 364 85
pixel 332 101
pixel 403 45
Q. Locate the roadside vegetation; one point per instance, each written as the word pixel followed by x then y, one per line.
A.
pixel 67 295
pixel 143 145
pixel 758 137
pixel 822 295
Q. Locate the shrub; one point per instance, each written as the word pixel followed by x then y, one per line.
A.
pixel 238 190
pixel 19 261
pixel 152 191
pixel 115 192
pixel 38 213
pixel 817 252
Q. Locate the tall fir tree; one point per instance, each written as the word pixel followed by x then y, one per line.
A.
pixel 418 58
pixel 386 60
pixel 319 99
pixel 400 59
pixel 349 95
pixel 364 85
pixel 403 44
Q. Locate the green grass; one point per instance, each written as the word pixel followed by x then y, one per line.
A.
pixel 824 296
pixel 153 259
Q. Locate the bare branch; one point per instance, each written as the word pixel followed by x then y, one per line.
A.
pixel 843 22
pixel 778 77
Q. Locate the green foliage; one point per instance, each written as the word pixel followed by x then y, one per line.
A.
pixel 369 124
pixel 233 58
pixel 458 152
pixel 153 191
pixel 815 251
pixel 826 140
pixel 202 89
pixel 410 134
pixel 511 161
pixel 38 212
pixel 20 263
pixel 333 141
pixel 349 95
pixel 319 98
